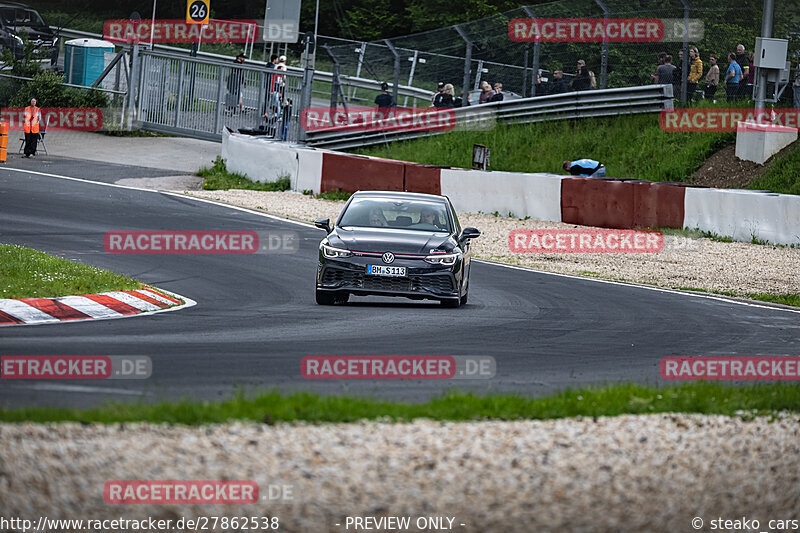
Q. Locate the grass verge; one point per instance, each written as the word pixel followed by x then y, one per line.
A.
pixel 218 178
pixel 27 273
pixel 612 400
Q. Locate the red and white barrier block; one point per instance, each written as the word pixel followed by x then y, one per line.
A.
pixel 115 304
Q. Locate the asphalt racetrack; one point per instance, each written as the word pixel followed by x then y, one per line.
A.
pixel 256 317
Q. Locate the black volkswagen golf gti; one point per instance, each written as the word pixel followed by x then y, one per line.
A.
pixel 395 244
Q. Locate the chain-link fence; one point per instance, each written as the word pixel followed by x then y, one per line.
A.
pixel 481 50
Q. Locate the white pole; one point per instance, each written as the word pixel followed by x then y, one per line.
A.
pixel 152 24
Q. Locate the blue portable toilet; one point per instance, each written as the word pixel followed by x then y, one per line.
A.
pixel 84 60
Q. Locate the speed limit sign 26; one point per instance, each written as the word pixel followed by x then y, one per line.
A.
pixel 197 11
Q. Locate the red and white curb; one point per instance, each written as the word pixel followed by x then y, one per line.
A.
pixel 115 304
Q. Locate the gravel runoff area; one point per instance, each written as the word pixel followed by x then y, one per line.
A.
pixel 685 263
pixel 627 473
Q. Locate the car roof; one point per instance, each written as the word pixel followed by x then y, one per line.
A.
pixel 401 195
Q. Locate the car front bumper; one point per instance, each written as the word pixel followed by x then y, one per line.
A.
pixel 430 281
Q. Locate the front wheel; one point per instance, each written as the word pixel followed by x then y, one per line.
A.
pixel 464 298
pixel 325 297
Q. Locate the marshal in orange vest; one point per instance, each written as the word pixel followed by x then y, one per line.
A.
pixel 32 116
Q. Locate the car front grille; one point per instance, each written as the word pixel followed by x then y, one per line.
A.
pixel 436 283
pixel 336 276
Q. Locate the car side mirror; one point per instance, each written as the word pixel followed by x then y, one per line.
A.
pixel 469 233
pixel 324 223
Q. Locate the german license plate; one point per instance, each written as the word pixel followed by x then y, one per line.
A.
pixel 381 270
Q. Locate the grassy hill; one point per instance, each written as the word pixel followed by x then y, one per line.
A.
pixel 631 146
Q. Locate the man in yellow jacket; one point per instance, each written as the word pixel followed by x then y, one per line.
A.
pixel 695 72
pixel 32 118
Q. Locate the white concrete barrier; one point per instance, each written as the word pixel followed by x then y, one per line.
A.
pixel 758 142
pixel 309 172
pixel 258 158
pixel 744 215
pixel 534 195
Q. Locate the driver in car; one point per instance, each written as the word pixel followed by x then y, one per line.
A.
pixel 429 217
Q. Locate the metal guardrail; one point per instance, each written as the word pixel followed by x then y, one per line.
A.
pixel 581 104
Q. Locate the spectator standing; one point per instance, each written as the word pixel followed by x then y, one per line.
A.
pixel 662 57
pixel 695 72
pixel 384 100
pixel 273 102
pixel 733 75
pixel 33 116
pixel 712 78
pixel 751 76
pixel 558 85
pixel 744 64
pixel 486 92
pixel 437 96
pixel 666 71
pixel 448 96
pixel 235 80
pixel 581 81
pixel 498 92
pixel 587 168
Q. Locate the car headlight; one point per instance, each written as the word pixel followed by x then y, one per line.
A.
pixel 333 253
pixel 442 259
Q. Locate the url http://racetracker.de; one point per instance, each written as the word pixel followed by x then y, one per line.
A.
pixel 44 524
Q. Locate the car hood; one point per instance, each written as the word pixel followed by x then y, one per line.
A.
pixel 397 241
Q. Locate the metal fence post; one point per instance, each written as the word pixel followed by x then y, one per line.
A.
pixel 396 81
pixel 220 103
pixel 305 94
pixel 467 61
pixel 478 75
pixel 604 53
pixel 411 74
pixel 361 52
pixel 179 96
pixel 685 61
pixel 132 83
pixel 525 73
pixel 536 52
pixel 767 17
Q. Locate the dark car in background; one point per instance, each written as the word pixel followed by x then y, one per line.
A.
pixel 16 19
pixel 395 244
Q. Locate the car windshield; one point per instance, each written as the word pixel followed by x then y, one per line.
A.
pixel 416 215
pixel 20 17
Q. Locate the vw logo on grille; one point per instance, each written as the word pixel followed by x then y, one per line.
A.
pixel 388 257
